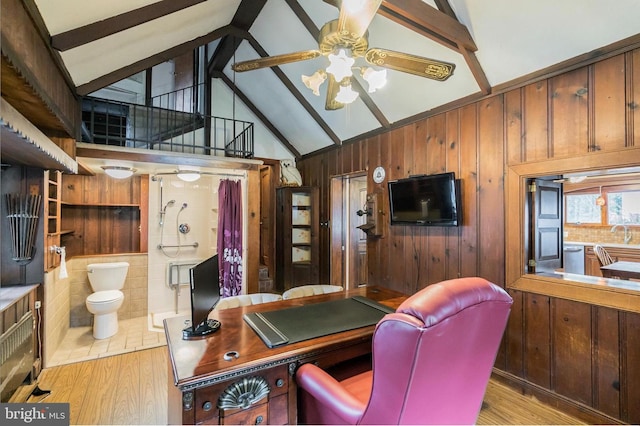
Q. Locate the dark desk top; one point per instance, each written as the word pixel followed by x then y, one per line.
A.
pixel 198 363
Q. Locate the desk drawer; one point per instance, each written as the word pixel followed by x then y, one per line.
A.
pixel 206 398
pixel 257 415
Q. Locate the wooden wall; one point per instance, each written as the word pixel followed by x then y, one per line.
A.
pixel 579 356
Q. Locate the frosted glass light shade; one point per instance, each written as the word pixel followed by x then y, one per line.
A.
pixel 188 175
pixel 340 65
pixel 118 172
pixel 346 94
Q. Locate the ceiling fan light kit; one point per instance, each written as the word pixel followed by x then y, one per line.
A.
pixel 314 81
pixel 344 40
pixel 346 94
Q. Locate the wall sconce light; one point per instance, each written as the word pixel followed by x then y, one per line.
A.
pixel 118 172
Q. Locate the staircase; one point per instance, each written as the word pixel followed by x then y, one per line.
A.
pixel 265 284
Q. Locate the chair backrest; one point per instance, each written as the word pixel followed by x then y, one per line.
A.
pixel 433 357
pixel 246 300
pixel 603 255
pixel 310 290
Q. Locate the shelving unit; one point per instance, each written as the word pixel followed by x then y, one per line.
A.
pixel 52 212
pixel 101 215
pixel 296 237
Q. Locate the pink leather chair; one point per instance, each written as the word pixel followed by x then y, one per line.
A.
pixel 432 360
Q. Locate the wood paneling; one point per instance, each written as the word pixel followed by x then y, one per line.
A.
pixel 102 215
pixel 606 360
pixel 537 339
pixel 563 339
pixel 571 353
pixel 569 114
pixel 609 103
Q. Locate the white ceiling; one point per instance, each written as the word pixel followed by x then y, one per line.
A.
pixel 513 39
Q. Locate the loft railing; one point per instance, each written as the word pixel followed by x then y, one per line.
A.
pixel 108 122
pixel 189 99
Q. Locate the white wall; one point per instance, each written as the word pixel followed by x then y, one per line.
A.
pixel 266 144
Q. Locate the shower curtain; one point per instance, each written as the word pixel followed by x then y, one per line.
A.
pixel 230 237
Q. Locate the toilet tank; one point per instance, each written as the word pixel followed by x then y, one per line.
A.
pixel 107 276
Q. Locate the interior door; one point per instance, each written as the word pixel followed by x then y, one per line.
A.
pixel 546 218
pixel 357 254
pixel 348 243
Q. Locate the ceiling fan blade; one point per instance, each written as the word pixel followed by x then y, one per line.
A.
pixel 412 64
pixel 272 61
pixel 332 91
pixel 356 15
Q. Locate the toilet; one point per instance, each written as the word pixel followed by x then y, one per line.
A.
pixel 106 279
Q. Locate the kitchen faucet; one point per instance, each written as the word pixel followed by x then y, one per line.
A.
pixel 627 235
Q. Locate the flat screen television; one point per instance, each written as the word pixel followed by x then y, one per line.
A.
pixel 205 295
pixel 425 200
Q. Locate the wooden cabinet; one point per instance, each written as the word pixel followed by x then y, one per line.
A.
pixel 52 213
pixel 297 226
pixel 102 215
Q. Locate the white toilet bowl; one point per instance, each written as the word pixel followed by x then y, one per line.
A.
pixel 104 306
pixel 106 279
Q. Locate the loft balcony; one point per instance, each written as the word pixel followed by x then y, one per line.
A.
pixel 168 124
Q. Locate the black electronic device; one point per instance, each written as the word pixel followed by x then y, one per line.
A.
pixel 425 200
pixel 205 295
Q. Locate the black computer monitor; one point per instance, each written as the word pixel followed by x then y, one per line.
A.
pixel 205 295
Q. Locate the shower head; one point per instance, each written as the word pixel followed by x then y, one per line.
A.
pixel 170 203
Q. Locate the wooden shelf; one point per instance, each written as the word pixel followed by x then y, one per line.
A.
pixel 297 229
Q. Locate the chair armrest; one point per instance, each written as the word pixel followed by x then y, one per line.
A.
pixel 330 393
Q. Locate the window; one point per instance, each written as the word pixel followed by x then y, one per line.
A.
pixel 582 208
pixel 621 207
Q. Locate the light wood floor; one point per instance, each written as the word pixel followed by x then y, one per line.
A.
pixel 132 389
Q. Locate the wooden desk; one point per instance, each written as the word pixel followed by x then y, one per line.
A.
pixel 623 270
pixel 199 374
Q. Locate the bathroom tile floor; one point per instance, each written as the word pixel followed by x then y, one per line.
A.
pixel 133 335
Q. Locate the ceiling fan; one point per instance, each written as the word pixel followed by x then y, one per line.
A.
pixel 342 41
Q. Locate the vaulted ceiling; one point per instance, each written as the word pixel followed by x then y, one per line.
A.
pixel 494 45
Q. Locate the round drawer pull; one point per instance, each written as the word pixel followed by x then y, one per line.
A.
pixel 207 406
pixel 279 383
pixel 259 420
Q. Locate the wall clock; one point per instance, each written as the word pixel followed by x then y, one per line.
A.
pixel 378 174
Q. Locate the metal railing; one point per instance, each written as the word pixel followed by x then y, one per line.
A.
pixel 122 124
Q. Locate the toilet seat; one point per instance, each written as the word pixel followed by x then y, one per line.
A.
pixel 106 296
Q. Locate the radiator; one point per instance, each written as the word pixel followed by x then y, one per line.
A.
pixel 16 355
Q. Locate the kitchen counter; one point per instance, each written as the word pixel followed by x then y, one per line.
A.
pixel 616 245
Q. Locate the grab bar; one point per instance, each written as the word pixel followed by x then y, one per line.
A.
pixel 161 246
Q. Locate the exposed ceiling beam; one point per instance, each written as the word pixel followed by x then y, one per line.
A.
pixel 469 56
pixel 247 102
pixel 96 30
pixel 432 19
pixel 245 16
pixel 143 64
pixel 425 23
pixel 225 51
